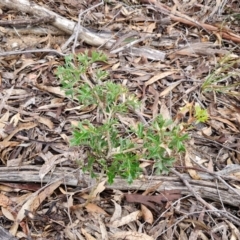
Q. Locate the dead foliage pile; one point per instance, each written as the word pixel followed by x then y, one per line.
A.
pixel 174 56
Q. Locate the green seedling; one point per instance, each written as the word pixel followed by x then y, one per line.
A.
pixel 219 81
pixel 113 147
pixel 201 115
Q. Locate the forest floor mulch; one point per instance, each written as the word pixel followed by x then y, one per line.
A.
pixel 174 56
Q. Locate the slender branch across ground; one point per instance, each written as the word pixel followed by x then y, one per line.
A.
pixel 212 209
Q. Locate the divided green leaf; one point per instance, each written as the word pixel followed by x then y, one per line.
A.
pixel 110 145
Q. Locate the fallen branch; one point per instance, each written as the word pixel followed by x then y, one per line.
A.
pixel 60 22
pixel 26 22
pixel 182 18
pixel 195 194
pixel 204 187
pixel 213 210
pixel 33 30
pixel 32 51
pixel 90 37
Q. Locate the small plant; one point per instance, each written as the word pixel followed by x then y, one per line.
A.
pixel 160 142
pixel 220 79
pixel 114 148
pixel 194 113
pixel 201 115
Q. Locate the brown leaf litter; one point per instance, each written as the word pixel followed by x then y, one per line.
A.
pixel 164 53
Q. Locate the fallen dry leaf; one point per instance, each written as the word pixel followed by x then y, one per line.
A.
pixel 146 214
pixel 117 212
pixel 230 124
pixel 45 121
pixel 87 235
pixel 3 122
pixel 158 76
pixel 167 90
pixel 4 201
pixel 21 126
pixel 6 213
pixel 163 197
pixel 93 208
pixel 164 111
pixel 54 90
pixel 129 235
pixel 50 161
pixel 15 119
pixel 33 203
pixel 100 187
pixel 132 217
pixel 189 165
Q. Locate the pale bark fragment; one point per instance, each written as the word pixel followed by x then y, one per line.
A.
pixel 205 187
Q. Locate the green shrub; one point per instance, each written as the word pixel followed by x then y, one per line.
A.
pixel 113 148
